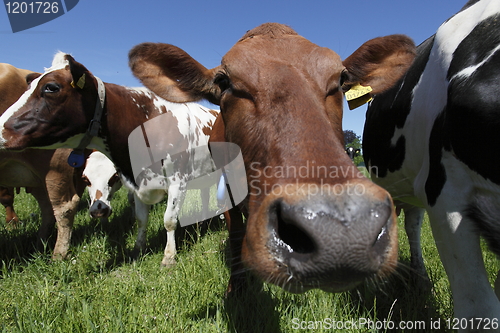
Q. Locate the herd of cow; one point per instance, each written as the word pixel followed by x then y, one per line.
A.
pixel 429 142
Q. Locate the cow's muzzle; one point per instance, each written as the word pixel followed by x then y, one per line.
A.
pixel 328 241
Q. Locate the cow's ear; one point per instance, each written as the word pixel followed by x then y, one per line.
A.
pixel 380 63
pixel 173 74
pixel 80 74
pixel 32 76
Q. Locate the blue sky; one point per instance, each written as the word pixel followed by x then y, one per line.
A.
pixel 99 33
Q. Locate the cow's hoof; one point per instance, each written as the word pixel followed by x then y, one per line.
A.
pixel 168 262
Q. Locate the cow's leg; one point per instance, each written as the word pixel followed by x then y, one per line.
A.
pixel 7 200
pixel 65 216
pixel 48 218
pixel 65 200
pixel 459 248
pixel 176 194
pixel 413 225
pixel 141 216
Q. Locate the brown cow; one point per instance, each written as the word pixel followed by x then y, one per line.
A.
pixel 313 221
pixel 46 174
pixel 14 84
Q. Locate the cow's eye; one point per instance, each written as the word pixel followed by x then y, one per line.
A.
pixel 86 180
pixel 112 181
pixel 222 80
pixel 51 87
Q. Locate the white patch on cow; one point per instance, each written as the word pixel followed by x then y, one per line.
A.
pixel 59 62
pixel 466 72
pixel 452 32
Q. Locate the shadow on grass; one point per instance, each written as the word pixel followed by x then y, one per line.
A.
pixel 20 243
pixel 252 310
pixel 404 298
pixel 122 225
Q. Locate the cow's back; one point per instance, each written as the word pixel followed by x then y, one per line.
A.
pixel 432 140
pixel 441 112
pixel 12 84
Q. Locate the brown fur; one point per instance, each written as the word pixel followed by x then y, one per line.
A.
pixel 281 102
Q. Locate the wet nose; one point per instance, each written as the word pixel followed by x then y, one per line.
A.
pixel 100 209
pixel 336 238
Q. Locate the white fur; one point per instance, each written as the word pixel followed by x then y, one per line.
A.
pixel 99 170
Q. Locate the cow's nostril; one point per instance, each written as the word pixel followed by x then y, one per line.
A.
pixel 296 238
pixel 382 241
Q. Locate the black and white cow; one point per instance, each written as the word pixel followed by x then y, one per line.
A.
pixel 352 152
pixel 432 141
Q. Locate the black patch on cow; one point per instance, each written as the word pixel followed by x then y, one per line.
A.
pixel 484 212
pixel 468 4
pixel 437 174
pixel 473 110
pixel 389 111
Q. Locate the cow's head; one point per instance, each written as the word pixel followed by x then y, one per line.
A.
pixel 352 152
pixel 57 105
pixel 314 221
pixel 102 181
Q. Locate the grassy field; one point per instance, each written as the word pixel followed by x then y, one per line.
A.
pixel 100 289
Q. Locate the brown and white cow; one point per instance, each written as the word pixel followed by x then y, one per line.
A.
pixel 313 220
pixel 102 180
pixel 56 186
pixel 67 103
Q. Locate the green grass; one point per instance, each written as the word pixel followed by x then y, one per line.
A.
pixel 100 289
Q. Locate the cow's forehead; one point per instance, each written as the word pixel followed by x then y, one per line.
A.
pixel 261 55
pixel 59 62
pixel 98 165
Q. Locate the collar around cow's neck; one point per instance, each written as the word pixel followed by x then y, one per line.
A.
pixel 77 157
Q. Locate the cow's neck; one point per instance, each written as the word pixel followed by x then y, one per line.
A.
pixel 122 114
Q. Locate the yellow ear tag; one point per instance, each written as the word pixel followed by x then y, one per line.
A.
pixel 81 82
pixel 357 96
